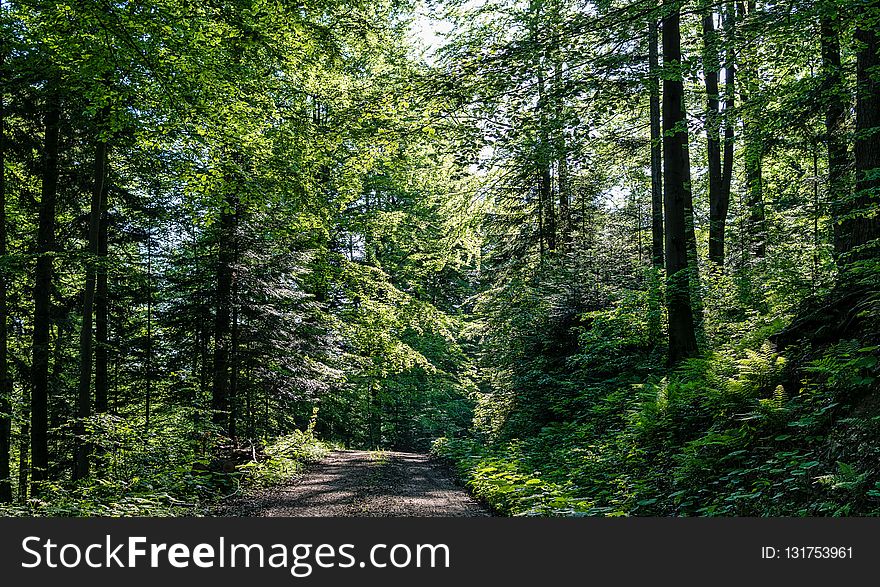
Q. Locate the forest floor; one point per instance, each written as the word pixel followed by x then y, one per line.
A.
pixel 351 483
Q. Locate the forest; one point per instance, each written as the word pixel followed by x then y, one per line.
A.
pixel 599 257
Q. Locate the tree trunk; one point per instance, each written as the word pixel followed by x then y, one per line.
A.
pixel 24 436
pixel 5 381
pixel 718 200
pixel 657 257
pixel 550 210
pixel 545 178
pixel 656 150
pixel 755 200
pixel 835 114
pixel 84 396
pixel 543 156
pixel 42 290
pixel 233 374
pixel 729 23
pixel 220 398
pixel 676 188
pixel 561 154
pixel 102 318
pixel 148 367
pixel 861 227
pixel 249 394
pixel 375 415
pixel 753 156
pixel 56 417
pixel 696 295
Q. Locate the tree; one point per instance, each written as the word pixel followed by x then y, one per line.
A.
pixel 860 224
pixel 84 399
pixel 835 112
pixel 753 140
pixel 656 149
pixel 5 380
pixel 720 170
pixel 676 193
pixel 42 292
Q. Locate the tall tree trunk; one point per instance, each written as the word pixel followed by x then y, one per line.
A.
pixel 5 380
pixel 817 211
pixel 550 209
pixel 545 177
pixel 249 394
pixel 656 149
pixel 696 294
pixel 676 188
pixel 835 116
pixel 543 156
pixel 56 417
pixel 560 148
pixel 148 367
pixel 102 317
pixel 224 275
pixel 861 229
pixel 42 290
pixel 563 188
pixel 729 23
pixel 718 199
pixel 375 414
pixel 204 362
pixel 233 374
pixel 755 200
pixel 540 226
pixel 753 152
pixel 657 257
pixel 24 437
pixel 84 396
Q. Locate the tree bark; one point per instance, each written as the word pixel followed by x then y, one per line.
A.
pixel 656 149
pixel 729 23
pixel 42 288
pixel 861 227
pixel 677 193
pixel 148 367
pixel 543 156
pixel 233 374
pixel 222 317
pixel 561 157
pixel 84 396
pixel 5 381
pixel 560 154
pixel 249 395
pixel 545 178
pixel 835 117
pixel 102 317
pixel 719 198
pixel 753 156
pixel 24 437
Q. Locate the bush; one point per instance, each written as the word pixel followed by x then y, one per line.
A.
pixel 284 458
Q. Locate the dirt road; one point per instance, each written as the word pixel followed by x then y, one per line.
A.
pixel 367 484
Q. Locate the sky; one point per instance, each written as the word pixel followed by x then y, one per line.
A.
pixel 427 31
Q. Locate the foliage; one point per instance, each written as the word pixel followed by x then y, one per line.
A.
pixel 162 474
pixel 728 434
pixel 283 458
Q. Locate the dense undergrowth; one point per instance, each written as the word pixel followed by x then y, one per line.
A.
pixel 169 474
pixel 747 429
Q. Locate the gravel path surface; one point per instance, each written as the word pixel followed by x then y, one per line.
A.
pixel 351 483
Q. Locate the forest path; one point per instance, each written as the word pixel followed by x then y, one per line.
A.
pixel 352 483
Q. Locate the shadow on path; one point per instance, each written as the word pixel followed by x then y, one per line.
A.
pixel 351 483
